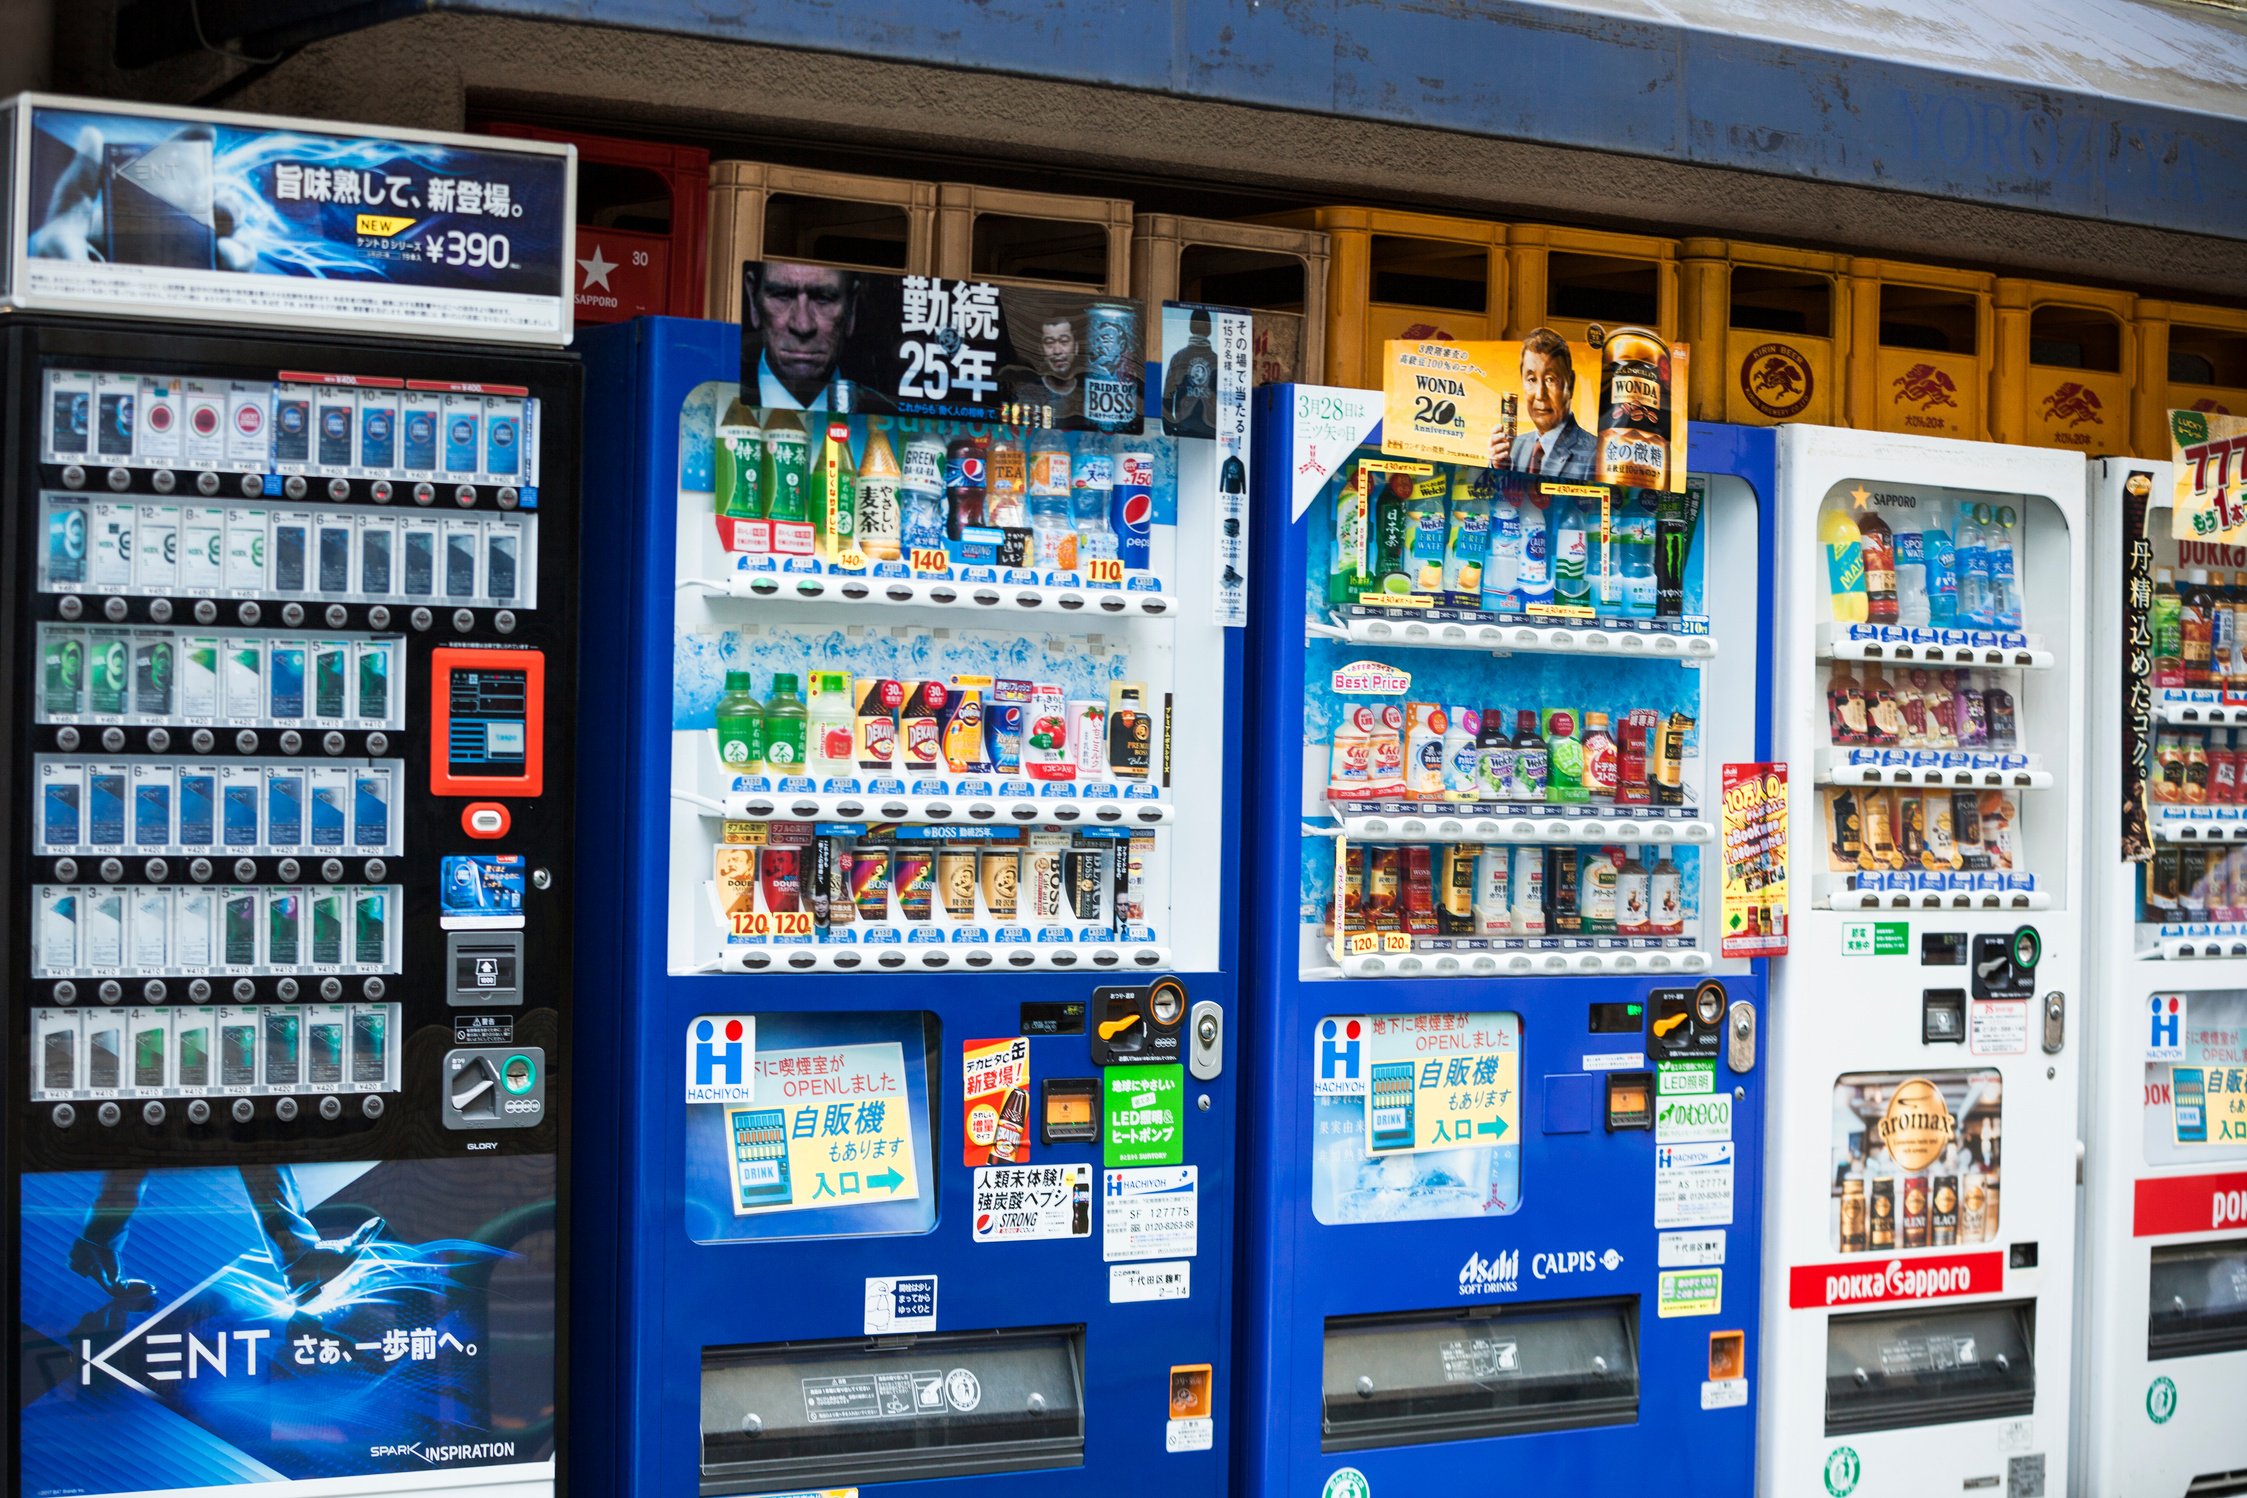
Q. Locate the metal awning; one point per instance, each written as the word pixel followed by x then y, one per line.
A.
pixel 2133 111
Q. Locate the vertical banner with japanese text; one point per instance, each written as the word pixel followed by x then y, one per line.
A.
pixel 2137 662
pixel 1755 861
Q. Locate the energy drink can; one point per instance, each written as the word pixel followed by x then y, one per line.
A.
pixel 1131 508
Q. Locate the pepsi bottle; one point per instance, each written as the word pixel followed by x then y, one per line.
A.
pixel 966 480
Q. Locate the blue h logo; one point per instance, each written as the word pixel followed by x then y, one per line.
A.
pixel 1338 1050
pixel 2167 1024
pixel 715 1063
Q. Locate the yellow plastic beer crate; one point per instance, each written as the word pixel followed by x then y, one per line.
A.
pixel 1046 239
pixel 2067 364
pixel 2189 359
pixel 1278 274
pixel 1920 342
pixel 1767 327
pixel 760 212
pixel 1572 279
pixel 1402 275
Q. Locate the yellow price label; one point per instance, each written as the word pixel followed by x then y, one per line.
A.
pixel 1358 943
pixel 931 559
pixel 1396 941
pixel 771 923
pixel 1103 570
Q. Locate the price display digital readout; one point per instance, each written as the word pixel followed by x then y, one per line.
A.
pixel 487 735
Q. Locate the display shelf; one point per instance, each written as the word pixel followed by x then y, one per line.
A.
pixel 1833 768
pixel 2198 824
pixel 2193 941
pixel 1519 962
pixel 1502 823
pixel 952 593
pixel 870 957
pixel 1621 637
pixel 929 809
pixel 1833 896
pixel 1957 647
pixel 2191 708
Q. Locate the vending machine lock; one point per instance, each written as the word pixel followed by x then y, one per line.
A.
pixel 1206 1058
pixel 1739 1037
pixel 2055 1022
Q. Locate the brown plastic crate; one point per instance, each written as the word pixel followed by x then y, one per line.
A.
pixel 2067 366
pixel 1015 238
pixel 1402 275
pixel 2189 359
pixel 1922 340
pixel 759 211
pixel 1279 275
pixel 1768 328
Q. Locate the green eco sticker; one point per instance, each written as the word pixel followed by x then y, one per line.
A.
pixel 1143 1115
pixel 1684 1078
pixel 1842 1471
pixel 1689 1292
pixel 1347 1482
pixel 2161 1400
pixel 1875 939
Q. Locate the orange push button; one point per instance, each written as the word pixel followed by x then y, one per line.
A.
pixel 485 819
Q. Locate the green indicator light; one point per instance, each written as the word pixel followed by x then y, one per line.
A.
pixel 1637 1008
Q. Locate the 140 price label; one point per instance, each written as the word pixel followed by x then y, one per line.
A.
pixel 931 559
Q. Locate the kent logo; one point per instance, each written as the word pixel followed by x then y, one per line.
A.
pixel 720 1049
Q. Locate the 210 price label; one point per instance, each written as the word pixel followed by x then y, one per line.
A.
pixel 771 923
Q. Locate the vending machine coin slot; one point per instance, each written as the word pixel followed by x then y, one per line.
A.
pixel 2005 966
pixel 1138 1024
pixel 1630 1101
pixel 1688 1022
pixel 1942 1016
pixel 495 1088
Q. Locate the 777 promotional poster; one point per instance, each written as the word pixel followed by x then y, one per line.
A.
pixel 204 1328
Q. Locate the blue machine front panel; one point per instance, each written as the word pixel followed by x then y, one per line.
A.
pixel 706 1230
pixel 1459 1256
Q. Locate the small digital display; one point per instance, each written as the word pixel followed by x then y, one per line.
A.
pixel 489 734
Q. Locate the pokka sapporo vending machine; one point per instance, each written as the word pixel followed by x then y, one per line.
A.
pixel 1920 1231
pixel 1506 1095
pixel 288 657
pixel 920 712
pixel 2162 1356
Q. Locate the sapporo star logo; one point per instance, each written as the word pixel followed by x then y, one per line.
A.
pixel 1859 494
pixel 596 271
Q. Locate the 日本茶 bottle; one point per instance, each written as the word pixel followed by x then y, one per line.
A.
pixel 741 727
pixel 740 458
pixel 834 497
pixel 880 533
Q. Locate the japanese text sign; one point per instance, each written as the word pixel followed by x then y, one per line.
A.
pixel 2209 450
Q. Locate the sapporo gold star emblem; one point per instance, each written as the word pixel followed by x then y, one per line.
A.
pixel 1861 495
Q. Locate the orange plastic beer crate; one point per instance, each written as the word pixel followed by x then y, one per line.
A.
pixel 1571 279
pixel 764 212
pixel 1402 275
pixel 2189 359
pixel 2067 365
pixel 1920 342
pixel 1020 238
pixel 1768 328
pixel 1278 274
pixel 640 207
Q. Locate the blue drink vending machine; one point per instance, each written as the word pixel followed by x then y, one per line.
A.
pixel 1502 1213
pixel 913 738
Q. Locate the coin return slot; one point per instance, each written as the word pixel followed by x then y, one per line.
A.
pixel 1423 1376
pixel 859 1411
pixel 486 968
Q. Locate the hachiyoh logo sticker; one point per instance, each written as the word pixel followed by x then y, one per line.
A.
pixel 1777 380
pixel 1843 1471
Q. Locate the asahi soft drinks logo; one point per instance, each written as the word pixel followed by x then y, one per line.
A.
pixel 1917 1127
pixel 1499 1276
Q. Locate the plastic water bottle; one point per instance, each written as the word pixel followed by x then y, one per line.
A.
pixel 1571 584
pixel 1090 494
pixel 1634 559
pixel 1911 578
pixel 1973 567
pixel 1501 570
pixel 921 496
pixel 1941 554
pixel 2005 592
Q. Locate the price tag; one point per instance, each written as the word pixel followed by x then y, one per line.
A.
pixel 1103 570
pixel 931 559
pixel 1396 941
pixel 771 923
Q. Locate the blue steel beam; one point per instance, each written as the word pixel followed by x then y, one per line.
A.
pixel 1524 70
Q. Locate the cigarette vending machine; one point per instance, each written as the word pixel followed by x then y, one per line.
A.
pixel 287 655
pixel 1507 1096
pixel 1921 1207
pixel 2163 1291
pixel 911 928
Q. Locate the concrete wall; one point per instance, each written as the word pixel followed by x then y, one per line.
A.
pixel 429 70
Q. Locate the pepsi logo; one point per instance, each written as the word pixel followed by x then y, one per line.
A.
pixel 1138 513
pixel 204 419
pixel 159 416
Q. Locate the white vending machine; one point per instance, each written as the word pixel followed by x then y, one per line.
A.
pixel 1920 1182
pixel 2163 1294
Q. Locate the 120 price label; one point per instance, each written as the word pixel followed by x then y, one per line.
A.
pixel 771 923
pixel 1366 943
